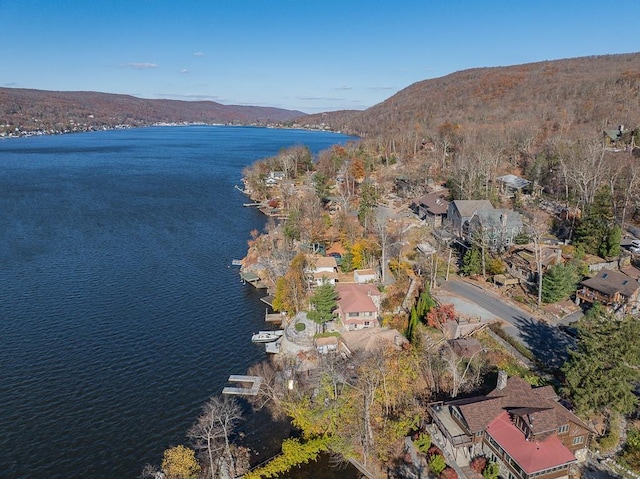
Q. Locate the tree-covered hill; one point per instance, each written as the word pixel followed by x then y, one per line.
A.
pixel 577 96
pixel 54 111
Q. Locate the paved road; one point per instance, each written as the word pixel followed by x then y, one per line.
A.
pixel 546 341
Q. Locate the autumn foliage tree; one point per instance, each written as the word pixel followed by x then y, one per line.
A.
pixel 180 462
pixel 440 315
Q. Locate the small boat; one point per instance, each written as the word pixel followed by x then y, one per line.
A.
pixel 266 336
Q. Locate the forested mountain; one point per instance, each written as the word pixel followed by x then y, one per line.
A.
pixel 579 95
pixel 53 111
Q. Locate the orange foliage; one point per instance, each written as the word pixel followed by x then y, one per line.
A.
pixel 440 315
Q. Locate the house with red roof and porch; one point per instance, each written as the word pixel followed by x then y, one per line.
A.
pixel 526 430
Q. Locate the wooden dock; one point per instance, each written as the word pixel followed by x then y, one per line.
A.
pixel 273 318
pixel 254 381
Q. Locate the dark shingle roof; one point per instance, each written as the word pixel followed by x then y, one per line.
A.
pixel 610 282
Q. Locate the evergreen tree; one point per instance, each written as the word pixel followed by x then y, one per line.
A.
pixel 610 247
pixel 602 370
pixel 472 262
pixel 594 231
pixel 558 282
pixel 323 302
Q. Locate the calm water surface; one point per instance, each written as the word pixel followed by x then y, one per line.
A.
pixel 120 313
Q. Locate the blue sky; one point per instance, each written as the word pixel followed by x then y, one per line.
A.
pixel 308 55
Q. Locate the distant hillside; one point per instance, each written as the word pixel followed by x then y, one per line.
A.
pixel 585 94
pixel 52 111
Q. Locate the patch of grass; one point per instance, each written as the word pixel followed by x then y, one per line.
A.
pixel 327 335
pixel 496 328
pixel 299 327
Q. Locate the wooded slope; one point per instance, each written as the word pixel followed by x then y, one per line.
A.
pixel 574 95
pixel 46 110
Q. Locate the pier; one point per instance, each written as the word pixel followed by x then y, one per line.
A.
pixel 254 381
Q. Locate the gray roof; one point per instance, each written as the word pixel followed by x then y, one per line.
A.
pixel 610 282
pixel 467 208
pixel 514 181
pixel 496 217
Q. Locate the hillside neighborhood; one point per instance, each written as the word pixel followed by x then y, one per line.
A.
pixel 358 264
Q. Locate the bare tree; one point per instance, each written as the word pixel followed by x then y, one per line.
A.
pixel 459 368
pixel 212 431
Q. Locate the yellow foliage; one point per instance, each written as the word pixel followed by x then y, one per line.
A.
pixel 180 462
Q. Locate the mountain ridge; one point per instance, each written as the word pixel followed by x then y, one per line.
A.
pixel 28 110
pixel 574 93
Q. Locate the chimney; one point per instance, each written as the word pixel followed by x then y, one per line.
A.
pixel 502 380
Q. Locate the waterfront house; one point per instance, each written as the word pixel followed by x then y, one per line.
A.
pixel 358 305
pixel 526 430
pixel 613 289
pixel 274 177
pixel 322 269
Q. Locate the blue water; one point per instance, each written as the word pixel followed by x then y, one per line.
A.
pixel 119 311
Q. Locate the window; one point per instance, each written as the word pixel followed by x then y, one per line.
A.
pixel 562 429
pixel 578 440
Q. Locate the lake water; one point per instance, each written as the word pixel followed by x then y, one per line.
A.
pixel 120 312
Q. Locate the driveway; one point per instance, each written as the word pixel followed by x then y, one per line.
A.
pixel 548 343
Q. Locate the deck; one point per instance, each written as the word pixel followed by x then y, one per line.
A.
pixel 254 381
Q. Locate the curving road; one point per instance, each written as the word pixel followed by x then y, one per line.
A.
pixel 546 342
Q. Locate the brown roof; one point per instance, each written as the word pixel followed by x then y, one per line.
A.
pixel 518 398
pixel 610 282
pixel 434 202
pixel 322 261
pixel 356 298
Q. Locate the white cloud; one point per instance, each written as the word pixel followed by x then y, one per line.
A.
pixel 184 70
pixel 140 66
pixel 198 54
pixel 344 87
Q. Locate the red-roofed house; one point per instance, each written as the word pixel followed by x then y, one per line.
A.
pixel 358 305
pixel 524 429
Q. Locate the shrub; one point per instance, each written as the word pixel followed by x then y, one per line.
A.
pixel 631 452
pixel 491 471
pixel 610 440
pixel 423 443
pixel 448 473
pixel 478 464
pixel 300 327
pixel 437 464
pixel 434 451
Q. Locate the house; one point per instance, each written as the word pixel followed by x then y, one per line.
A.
pixel 495 228
pixel 612 289
pixel 432 208
pixel 511 184
pixel 521 261
pixel 326 345
pixel 322 269
pixel 274 177
pixel 358 305
pixel 365 276
pixel 525 430
pixel 460 212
